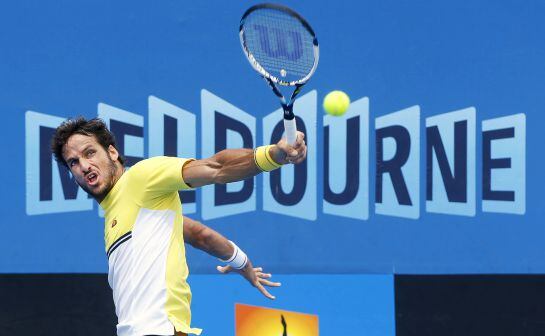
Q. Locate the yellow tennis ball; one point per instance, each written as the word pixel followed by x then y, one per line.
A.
pixel 336 103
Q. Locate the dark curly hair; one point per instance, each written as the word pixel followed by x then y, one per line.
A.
pixel 92 127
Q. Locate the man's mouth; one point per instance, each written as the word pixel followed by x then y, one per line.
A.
pixel 92 178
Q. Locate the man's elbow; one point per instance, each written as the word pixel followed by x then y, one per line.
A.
pixel 200 237
pixel 204 239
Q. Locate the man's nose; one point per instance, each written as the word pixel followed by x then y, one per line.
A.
pixel 85 165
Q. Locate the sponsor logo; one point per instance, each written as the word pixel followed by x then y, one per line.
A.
pixel 252 320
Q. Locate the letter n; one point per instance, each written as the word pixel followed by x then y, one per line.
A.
pixel 450 163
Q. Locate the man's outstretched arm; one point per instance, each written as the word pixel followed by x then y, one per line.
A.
pixel 232 165
pixel 204 238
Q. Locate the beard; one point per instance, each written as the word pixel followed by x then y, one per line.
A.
pixel 108 177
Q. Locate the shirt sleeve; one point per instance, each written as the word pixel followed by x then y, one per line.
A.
pixel 161 174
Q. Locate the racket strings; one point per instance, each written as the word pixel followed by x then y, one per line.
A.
pixel 279 43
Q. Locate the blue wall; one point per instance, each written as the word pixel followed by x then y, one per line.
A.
pixel 404 64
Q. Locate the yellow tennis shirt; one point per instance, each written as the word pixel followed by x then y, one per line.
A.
pixel 143 231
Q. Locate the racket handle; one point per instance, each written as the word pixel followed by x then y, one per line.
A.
pixel 291 130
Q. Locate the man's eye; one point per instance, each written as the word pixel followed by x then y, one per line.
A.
pixel 90 153
pixel 72 163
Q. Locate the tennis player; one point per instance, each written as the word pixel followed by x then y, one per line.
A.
pixel 144 228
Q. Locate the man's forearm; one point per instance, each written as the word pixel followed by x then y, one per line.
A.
pixel 215 244
pixel 240 164
pixel 231 165
pixel 206 239
pixel 235 165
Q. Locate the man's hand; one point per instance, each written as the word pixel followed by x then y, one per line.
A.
pixel 255 276
pixel 285 153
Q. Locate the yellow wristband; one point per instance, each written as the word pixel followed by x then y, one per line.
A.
pixel 263 159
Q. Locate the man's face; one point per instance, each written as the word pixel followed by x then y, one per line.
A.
pixel 93 167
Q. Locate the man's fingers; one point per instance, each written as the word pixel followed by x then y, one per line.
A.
pixel 296 148
pixel 299 151
pixel 302 154
pixel 300 140
pixel 263 275
pixel 269 283
pixel 293 154
pixel 288 150
pixel 300 157
pixel 264 291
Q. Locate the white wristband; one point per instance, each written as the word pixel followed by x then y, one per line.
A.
pixel 239 259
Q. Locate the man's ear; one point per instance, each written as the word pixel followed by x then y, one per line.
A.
pixel 114 154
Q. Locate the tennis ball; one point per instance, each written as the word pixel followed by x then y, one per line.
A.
pixel 336 103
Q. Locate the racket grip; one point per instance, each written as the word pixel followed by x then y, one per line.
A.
pixel 291 130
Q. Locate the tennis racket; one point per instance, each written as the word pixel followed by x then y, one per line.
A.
pixel 282 47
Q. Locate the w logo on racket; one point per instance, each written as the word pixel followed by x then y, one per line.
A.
pixel 278 43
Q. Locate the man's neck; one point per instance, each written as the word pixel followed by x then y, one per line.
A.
pixel 119 170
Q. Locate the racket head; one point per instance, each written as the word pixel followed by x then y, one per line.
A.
pixel 279 44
